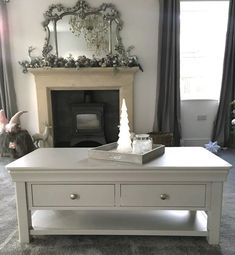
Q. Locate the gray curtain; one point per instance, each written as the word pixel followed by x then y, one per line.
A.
pixel 167 113
pixel 7 90
pixel 222 124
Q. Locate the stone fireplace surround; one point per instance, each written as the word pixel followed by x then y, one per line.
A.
pixel 49 79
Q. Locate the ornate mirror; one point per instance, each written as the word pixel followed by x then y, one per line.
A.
pixel 82 36
pixel 82 30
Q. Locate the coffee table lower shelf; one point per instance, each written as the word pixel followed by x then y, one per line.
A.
pixel 153 222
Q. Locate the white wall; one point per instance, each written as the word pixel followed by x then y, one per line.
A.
pixel 197 117
pixel 140 29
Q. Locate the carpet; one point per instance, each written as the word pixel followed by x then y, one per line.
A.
pixel 114 245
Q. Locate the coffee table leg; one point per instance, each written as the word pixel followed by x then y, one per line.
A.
pixel 22 212
pixel 214 214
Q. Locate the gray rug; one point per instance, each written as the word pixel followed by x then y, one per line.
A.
pixel 114 245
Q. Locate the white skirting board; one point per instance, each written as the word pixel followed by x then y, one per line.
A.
pixel 153 222
pixel 195 141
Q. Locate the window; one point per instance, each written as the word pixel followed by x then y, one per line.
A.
pixel 203 26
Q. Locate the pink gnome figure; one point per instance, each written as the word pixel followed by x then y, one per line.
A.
pixel 3 120
pixel 14 123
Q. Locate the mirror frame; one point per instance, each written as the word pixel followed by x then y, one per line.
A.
pixel 56 12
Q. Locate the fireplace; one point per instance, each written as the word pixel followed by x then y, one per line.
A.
pixel 85 118
pixel 56 86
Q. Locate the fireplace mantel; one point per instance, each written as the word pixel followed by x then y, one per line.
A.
pixel 48 79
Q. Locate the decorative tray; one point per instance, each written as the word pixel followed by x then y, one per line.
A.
pixel 108 152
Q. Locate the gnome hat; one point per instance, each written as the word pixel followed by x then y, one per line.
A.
pixel 14 122
pixel 3 118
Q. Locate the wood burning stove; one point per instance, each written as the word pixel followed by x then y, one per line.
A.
pixel 88 123
pixel 84 118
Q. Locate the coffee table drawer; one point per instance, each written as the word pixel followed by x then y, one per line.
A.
pixel 52 195
pixel 163 195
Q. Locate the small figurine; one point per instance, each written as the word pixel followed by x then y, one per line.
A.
pixel 124 140
pixel 41 137
pixel 30 50
pixel 212 147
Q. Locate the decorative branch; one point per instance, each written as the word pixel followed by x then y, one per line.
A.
pixel 82 61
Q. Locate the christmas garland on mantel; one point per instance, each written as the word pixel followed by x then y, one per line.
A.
pixel 114 61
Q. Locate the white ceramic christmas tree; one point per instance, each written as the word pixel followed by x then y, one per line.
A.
pixel 124 141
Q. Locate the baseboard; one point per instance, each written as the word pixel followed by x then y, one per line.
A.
pixel 195 141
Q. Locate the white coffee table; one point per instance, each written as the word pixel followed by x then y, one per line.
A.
pixel 179 194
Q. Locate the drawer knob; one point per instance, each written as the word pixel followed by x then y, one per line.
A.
pixel 164 196
pixel 74 196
